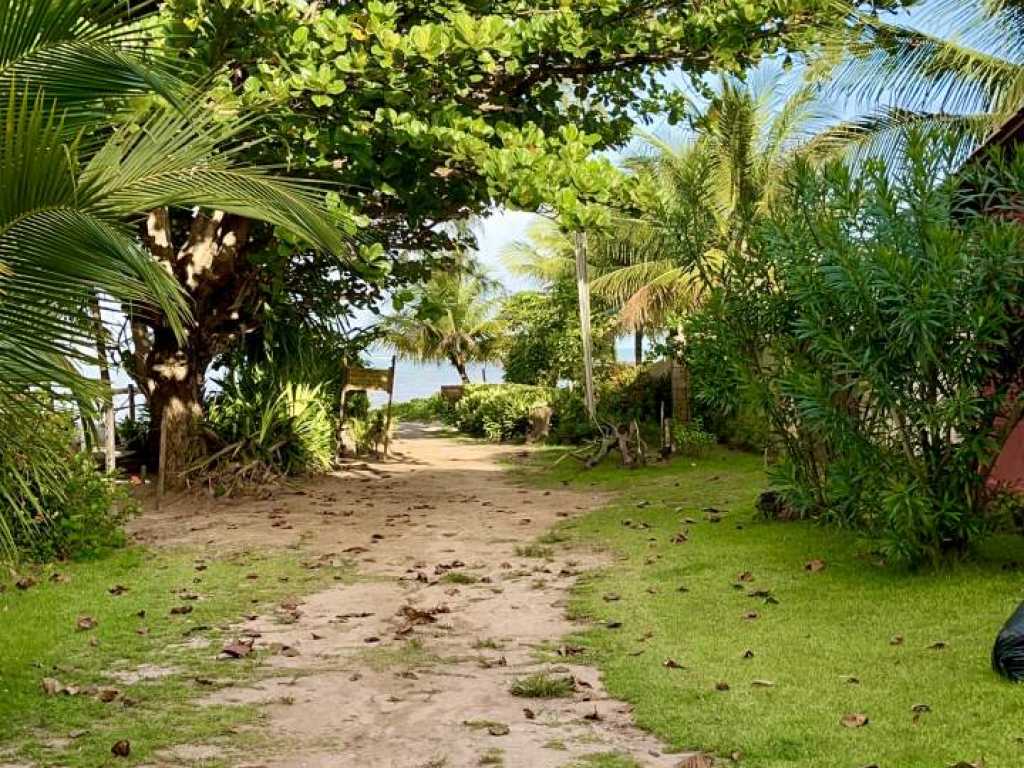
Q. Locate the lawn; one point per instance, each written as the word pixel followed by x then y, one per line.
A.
pixel 910 651
pixel 129 596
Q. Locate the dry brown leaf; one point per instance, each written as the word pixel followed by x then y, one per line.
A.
pixel 672 664
pixel 746 576
pixel 237 649
pixel 51 686
pixel 814 566
pixel 855 720
pixel 121 748
pixel 763 683
pixel 85 623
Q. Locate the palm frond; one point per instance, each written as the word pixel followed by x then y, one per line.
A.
pixel 80 54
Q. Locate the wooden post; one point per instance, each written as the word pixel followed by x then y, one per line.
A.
pixel 391 395
pixel 131 402
pixel 583 288
pixel 162 463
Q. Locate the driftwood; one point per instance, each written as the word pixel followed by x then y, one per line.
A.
pixel 625 438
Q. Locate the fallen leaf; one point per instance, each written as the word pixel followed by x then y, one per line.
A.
pixel 85 623
pixel 745 576
pixel 814 566
pixel 594 716
pixel 854 720
pixel 680 538
pixel 121 748
pixel 920 708
pixel 498 729
pixel 26 582
pixel 751 615
pixel 672 664
pixel 612 597
pixel 237 649
pixel 107 695
pixel 938 645
pixel 117 589
pixel 528 713
pixel 51 686
pixel 721 686
pixel 896 640
pixel 763 683
pixel 748 654
pixel 181 610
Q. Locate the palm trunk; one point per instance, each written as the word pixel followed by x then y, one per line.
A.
pixel 638 346
pixel 460 366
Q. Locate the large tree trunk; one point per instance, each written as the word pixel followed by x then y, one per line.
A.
pixel 170 370
pixel 638 346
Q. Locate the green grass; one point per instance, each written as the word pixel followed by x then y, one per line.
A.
pixel 606 760
pixel 408 656
pixel 534 550
pixel 679 601
pixel 459 577
pixel 542 686
pixel 38 638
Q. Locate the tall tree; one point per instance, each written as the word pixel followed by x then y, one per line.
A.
pixel 451 320
pixel 421 113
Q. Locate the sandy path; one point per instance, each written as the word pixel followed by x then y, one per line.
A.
pixel 342 698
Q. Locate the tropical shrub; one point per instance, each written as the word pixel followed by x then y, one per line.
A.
pixel 900 346
pixel 263 428
pixel 370 432
pixel 426 409
pixel 691 439
pixel 54 501
pixel 541 343
pixel 498 411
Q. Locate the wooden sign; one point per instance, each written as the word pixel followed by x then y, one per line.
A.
pixel 370 378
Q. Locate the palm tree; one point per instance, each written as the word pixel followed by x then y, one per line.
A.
pixel 703 196
pixel 451 321
pixel 76 176
pixel 955 66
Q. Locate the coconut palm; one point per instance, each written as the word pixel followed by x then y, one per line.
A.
pixel 703 196
pixel 452 320
pixel 955 66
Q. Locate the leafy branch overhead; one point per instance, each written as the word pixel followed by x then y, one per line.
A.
pixel 431 110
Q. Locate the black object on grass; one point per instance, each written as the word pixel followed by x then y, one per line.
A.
pixel 1008 653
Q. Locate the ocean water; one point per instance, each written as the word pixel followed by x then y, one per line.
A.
pixel 413 380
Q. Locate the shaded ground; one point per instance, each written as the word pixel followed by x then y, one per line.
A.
pixel 411 666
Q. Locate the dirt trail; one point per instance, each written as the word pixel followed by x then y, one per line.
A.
pixel 406 669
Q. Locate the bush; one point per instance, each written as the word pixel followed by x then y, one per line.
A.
pixel 264 428
pixel 132 433
pixel 56 503
pixel 369 433
pixel 691 439
pixel 426 409
pixel 897 347
pixel 498 411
